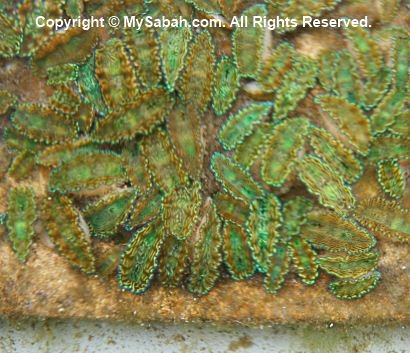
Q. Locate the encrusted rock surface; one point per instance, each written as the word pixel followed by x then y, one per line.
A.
pixel 46 286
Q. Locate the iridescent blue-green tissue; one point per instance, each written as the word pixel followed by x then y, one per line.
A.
pixel 152 138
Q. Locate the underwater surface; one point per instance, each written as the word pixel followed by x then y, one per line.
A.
pixel 183 173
